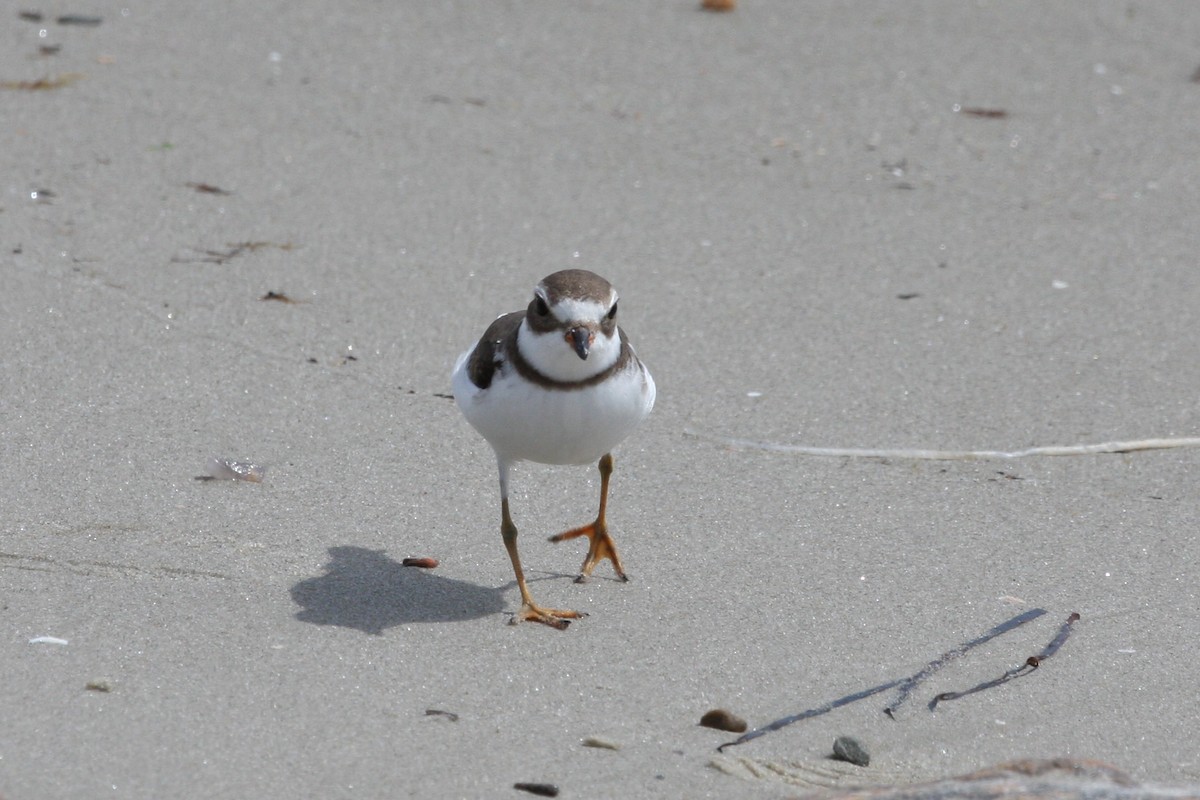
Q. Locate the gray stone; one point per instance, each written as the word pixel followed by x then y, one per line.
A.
pixel 847 748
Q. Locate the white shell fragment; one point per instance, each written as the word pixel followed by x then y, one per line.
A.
pixel 47 640
pixel 226 469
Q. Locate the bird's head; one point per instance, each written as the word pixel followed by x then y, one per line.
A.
pixel 570 329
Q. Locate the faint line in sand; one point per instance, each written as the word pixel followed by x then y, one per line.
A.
pixel 99 569
pixel 1100 448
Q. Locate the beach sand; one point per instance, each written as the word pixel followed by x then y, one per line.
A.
pixel 924 226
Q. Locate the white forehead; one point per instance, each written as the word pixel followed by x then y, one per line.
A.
pixel 568 309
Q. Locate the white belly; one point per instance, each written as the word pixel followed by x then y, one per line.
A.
pixel 526 422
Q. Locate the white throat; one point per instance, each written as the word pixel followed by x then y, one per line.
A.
pixel 553 356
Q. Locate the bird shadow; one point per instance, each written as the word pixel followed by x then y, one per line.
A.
pixel 368 591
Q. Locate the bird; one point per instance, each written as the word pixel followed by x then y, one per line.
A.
pixel 558 383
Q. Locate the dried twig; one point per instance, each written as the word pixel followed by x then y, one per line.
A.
pixel 906 685
pixel 1026 667
pixel 950 655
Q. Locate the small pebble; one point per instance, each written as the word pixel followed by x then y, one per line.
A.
pixel 847 748
pixel 723 720
pixel 603 744
pixel 540 789
pixel 99 685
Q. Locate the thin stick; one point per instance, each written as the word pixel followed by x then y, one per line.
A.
pixel 1025 668
pixel 812 712
pixel 906 684
pixel 910 683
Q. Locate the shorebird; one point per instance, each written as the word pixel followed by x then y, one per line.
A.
pixel 557 383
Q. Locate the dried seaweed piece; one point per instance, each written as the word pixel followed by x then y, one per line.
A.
pixel 80 20
pixel 207 188
pixel 600 743
pixel 906 685
pixel 984 113
pixel 235 249
pixel 1029 665
pixel 253 246
pixel 812 712
pixel 43 84
pixel 540 789
pixel 910 683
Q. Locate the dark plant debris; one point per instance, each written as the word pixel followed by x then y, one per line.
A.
pixel 1029 665
pixel 43 84
pixel 423 563
pixel 280 297
pixel 905 685
pixel 207 188
pixel 235 250
pixel 910 683
pixel 437 712
pixel 984 113
pixel 80 20
pixel 540 789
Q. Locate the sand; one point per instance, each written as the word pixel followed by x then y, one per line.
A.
pixel 935 226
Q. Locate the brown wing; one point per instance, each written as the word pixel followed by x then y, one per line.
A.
pixel 486 355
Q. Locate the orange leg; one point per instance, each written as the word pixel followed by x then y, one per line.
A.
pixel 602 545
pixel 554 617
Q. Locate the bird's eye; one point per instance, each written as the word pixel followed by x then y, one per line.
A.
pixel 612 312
pixel 540 306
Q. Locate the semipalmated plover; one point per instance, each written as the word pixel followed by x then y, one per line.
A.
pixel 557 383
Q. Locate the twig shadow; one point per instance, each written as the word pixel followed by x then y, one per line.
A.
pixel 368 591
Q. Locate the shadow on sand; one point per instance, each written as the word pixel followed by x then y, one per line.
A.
pixel 368 591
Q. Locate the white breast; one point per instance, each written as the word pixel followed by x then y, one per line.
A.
pixel 555 426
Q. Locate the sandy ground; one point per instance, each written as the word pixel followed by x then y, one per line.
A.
pixel 930 225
